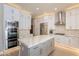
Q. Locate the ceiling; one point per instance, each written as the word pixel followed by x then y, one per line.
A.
pixel 43 7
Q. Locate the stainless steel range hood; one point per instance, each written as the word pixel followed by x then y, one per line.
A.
pixel 60 18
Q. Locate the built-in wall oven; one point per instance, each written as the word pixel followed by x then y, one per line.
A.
pixel 12 33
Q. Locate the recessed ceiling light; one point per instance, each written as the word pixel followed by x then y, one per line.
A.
pixel 55 9
pixel 37 8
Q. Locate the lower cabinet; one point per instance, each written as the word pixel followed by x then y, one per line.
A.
pixel 62 40
pixel 69 41
pixel 74 42
pixel 42 49
pixel 34 51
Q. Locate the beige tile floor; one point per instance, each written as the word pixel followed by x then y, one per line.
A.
pixel 11 52
pixel 59 51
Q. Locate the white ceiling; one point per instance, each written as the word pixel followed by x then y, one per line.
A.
pixel 43 7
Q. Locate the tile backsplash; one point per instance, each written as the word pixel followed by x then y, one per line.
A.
pixel 24 33
pixel 59 29
pixel 72 32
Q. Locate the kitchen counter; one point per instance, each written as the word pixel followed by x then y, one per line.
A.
pixel 41 45
pixel 32 41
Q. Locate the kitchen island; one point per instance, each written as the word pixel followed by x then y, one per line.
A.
pixel 41 45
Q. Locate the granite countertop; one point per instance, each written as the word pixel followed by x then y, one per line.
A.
pixel 32 41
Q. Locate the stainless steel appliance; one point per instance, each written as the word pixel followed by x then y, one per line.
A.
pixel 44 28
pixel 12 33
pixel 60 18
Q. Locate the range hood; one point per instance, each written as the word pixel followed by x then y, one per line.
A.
pixel 60 18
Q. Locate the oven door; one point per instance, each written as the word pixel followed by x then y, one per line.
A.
pixel 12 44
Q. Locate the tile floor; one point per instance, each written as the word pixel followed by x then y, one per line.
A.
pixel 59 51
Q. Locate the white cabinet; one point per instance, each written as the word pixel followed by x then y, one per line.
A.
pixel 25 21
pixel 44 48
pixel 69 41
pixel 74 42
pixel 72 17
pixel 50 46
pixel 36 27
pixel 62 40
pixel 22 22
pixel 77 21
pixel 35 51
pixel 16 15
pixel 28 23
pixel 8 13
pixel 41 49
pixel 68 25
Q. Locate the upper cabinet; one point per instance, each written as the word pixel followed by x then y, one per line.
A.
pixel 10 13
pixel 16 14
pixel 13 14
pixel 72 19
pixel 25 21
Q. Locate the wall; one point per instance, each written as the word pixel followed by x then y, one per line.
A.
pixel 60 29
pixel 0 28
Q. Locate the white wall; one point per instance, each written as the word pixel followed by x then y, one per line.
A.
pixel 60 29
pixel 2 29
pixel 46 19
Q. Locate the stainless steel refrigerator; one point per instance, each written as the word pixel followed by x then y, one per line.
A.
pixel 44 28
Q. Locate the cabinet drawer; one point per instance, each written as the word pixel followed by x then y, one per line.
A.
pixel 35 51
pixel 75 42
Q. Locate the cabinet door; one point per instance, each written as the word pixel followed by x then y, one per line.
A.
pixel 22 22
pixel 73 22
pixel 50 46
pixel 25 22
pixel 16 15
pixel 68 20
pixel 63 40
pixel 8 13
pixel 75 42
pixel 44 49
pixel 28 21
pixel 71 19
pixel 77 21
pixel 34 51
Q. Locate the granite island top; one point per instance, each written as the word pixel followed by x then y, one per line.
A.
pixel 32 41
